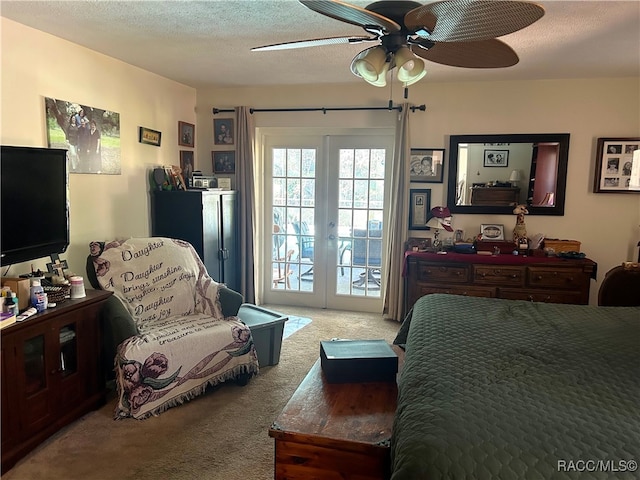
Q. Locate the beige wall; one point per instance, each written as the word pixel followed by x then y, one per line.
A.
pixel 606 224
pixel 36 65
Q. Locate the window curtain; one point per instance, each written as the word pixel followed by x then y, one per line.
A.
pixel 245 184
pixel 398 218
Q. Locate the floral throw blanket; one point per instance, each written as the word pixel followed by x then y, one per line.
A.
pixel 184 343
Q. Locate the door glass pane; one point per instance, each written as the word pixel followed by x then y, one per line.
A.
pixel 33 350
pixel 68 350
pixel 360 213
pixel 293 208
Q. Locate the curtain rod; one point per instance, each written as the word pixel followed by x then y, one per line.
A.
pixel 322 109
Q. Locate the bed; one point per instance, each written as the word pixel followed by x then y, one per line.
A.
pixel 507 389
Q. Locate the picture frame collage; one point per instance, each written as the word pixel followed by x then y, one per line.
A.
pixel 187 138
pixel 223 160
pixel 617 165
pixel 426 165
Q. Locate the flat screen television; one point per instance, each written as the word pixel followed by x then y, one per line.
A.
pixel 34 208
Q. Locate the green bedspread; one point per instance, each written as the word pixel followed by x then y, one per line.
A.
pixel 502 389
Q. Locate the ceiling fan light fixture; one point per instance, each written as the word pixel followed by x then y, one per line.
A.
pixel 381 81
pixel 371 64
pixel 410 67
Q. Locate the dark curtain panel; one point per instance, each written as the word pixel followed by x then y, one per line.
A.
pixel 245 137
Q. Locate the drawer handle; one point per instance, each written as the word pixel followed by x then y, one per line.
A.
pixel 531 298
pixel 458 273
pixel 539 277
pixel 514 275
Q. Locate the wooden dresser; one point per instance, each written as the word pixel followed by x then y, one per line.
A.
pixel 538 279
pixel 495 196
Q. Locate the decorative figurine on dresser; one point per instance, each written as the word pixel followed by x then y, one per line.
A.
pixel 520 230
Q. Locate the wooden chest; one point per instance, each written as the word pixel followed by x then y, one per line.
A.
pixel 335 431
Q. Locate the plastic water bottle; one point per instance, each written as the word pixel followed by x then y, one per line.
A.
pixel 37 295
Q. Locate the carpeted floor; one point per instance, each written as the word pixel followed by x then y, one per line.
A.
pixel 220 435
pixel 293 324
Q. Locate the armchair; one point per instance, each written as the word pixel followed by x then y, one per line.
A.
pixel 169 328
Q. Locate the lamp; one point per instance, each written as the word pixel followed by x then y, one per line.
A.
pixel 410 68
pixel 434 223
pixel 373 64
pixel 441 218
pixel 514 178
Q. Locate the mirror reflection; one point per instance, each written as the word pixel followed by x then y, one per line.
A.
pixel 494 173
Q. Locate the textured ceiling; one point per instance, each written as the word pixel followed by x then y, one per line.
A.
pixel 207 43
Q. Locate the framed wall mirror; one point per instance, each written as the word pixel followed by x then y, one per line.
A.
pixel 490 174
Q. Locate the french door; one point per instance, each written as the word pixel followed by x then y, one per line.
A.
pixel 325 204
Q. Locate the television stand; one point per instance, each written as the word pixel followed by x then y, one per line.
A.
pixel 52 373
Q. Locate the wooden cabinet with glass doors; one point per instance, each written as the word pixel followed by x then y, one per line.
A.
pixel 52 373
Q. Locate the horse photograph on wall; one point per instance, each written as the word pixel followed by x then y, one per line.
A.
pixel 90 135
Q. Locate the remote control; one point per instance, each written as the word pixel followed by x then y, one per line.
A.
pixel 26 314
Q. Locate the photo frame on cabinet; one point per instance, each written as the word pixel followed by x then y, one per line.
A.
pixel 224 162
pixel 224 183
pixel 492 231
pixel 427 165
pixel 223 131
pixel 419 208
pixel 150 137
pixel 496 158
pixel 186 134
pixel 617 165
pixel 187 163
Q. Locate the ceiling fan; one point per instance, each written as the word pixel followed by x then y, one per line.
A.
pixel 460 33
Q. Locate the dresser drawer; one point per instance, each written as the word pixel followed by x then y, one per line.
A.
pixel 443 273
pixel 544 296
pixel 498 275
pixel 548 277
pixel 464 290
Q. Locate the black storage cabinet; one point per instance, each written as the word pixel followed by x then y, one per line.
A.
pixel 207 220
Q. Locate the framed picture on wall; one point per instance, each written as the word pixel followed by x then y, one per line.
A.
pixel 419 207
pixel 223 131
pixel 224 162
pixel 426 165
pixel 496 158
pixel 150 137
pixel 617 166
pixel 186 134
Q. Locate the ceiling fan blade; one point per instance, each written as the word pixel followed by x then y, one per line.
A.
pixel 472 20
pixel 314 43
pixel 491 53
pixel 351 14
